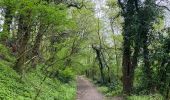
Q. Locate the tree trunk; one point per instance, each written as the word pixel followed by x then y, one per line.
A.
pixel 36 47
pixel 98 54
pixel 23 38
pixel 37 43
pixel 128 64
pixel 127 67
pixel 6 25
pixel 167 92
pixel 108 68
pixel 8 20
pixel 100 66
pixel 115 47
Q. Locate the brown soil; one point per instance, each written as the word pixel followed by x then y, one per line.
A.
pixel 87 91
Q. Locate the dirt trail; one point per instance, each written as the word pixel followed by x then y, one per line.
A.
pixel 86 90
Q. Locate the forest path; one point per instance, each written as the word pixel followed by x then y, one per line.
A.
pixel 86 90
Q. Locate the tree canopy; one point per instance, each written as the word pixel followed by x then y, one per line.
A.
pixel 123 46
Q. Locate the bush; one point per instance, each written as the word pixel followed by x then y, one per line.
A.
pixel 66 75
pixel 5 54
pixel 103 89
pixel 146 97
pixel 109 92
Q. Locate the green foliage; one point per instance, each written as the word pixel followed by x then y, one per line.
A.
pixel 12 87
pixel 5 54
pixel 65 47
pixel 66 75
pixel 3 35
pixel 103 89
pixel 109 92
pixel 146 97
pixel 9 3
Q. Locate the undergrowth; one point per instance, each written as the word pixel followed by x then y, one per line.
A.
pixel 146 97
pixel 34 85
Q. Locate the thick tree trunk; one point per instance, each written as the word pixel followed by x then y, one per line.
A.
pixel 127 67
pixel 128 62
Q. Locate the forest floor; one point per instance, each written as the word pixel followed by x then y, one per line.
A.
pixel 87 91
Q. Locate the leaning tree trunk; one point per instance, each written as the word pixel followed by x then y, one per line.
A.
pixel 100 66
pixel 24 28
pixel 108 68
pixel 37 43
pixel 35 49
pixel 98 54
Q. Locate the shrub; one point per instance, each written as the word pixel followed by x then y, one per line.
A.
pixel 146 97
pixel 66 75
pixel 5 54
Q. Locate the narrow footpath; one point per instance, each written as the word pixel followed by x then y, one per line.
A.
pixel 86 90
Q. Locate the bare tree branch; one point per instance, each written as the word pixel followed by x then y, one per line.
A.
pixel 164 7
